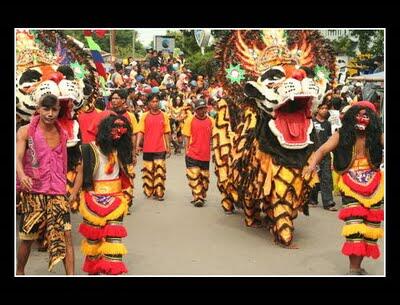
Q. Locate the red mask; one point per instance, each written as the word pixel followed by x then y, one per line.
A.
pixel 362 121
pixel 118 130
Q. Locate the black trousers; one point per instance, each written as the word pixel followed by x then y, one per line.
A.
pixel 326 183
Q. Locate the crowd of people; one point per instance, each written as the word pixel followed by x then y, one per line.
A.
pixel 153 107
pixel 168 77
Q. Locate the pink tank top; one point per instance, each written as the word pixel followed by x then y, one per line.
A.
pixel 52 172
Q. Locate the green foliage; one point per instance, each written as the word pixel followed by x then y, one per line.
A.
pixel 370 41
pixel 364 38
pixel 104 43
pixel 185 40
pixel 378 44
pixel 202 64
pixel 344 45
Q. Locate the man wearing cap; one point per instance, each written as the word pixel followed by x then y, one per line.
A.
pixel 197 130
pixel 357 148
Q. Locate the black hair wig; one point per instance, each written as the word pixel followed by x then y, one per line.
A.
pixel 348 132
pixel 106 143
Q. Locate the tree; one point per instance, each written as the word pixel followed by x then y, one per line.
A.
pixel 104 43
pixel 185 40
pixel 378 44
pixel 370 41
pixel 203 64
pixel 344 45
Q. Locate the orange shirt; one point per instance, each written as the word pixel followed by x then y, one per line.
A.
pixel 199 131
pixel 154 126
pixel 132 119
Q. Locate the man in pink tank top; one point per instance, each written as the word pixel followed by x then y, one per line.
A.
pixel 41 164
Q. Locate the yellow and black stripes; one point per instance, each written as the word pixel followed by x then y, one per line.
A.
pixel 154 176
pixel 160 175
pixel 221 145
pixel 198 182
pixel 251 179
pixel 50 212
pixel 148 178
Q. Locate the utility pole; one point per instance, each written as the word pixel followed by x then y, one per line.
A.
pixel 112 45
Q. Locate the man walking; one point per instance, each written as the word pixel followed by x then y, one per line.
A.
pixel 154 130
pixel 197 131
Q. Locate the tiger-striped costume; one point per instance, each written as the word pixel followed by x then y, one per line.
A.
pixel 263 138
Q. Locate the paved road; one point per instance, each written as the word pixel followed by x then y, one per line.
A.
pixel 175 238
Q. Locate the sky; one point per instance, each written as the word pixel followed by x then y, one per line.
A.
pixel 146 36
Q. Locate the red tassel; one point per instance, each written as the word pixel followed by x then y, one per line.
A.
pixel 91 232
pixel 353 211
pixel 365 190
pixel 112 267
pixel 115 231
pixel 375 215
pixel 372 251
pixel 351 248
pixel 91 266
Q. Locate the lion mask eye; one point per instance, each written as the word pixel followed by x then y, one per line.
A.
pixel 272 75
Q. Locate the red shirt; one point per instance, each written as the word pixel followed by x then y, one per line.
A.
pixel 88 123
pixel 154 126
pixel 200 132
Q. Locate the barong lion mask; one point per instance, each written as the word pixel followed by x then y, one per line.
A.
pixel 39 56
pixel 290 70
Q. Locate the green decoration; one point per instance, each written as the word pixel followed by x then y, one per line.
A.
pixel 321 72
pixel 79 70
pixel 235 73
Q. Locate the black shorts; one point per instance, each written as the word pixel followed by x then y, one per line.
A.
pixel 190 162
pixel 149 156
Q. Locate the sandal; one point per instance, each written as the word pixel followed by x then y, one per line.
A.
pixel 331 208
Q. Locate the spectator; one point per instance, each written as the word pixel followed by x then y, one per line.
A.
pixel 323 133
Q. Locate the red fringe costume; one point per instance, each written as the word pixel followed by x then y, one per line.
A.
pixel 362 191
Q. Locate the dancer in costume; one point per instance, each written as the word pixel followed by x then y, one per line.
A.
pixel 154 130
pixel 41 179
pixel 118 105
pixel 357 149
pixel 107 168
pixel 263 138
pixel 198 131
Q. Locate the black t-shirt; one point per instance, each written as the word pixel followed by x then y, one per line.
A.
pixel 323 131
